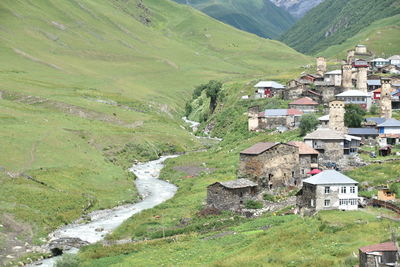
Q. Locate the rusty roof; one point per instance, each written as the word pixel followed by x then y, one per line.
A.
pixel 304 101
pixel 235 184
pixel 258 148
pixel 304 149
pixel 388 246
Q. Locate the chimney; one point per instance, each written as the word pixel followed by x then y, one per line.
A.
pixel 336 116
pixel 253 118
pixel 386 98
pixel 321 66
pixel 362 77
pixel 347 72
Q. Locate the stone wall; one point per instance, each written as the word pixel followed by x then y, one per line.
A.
pixel 362 79
pixel 333 150
pixel 294 92
pixel 306 164
pixel 386 99
pixel 253 118
pixel 347 73
pixel 307 193
pixel 336 116
pixel 223 198
pixel 276 167
pixel 321 66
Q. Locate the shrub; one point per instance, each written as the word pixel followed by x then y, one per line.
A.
pixel 252 204
pixel 68 260
pixel 354 116
pixel 269 197
pixel 374 110
pixel 308 123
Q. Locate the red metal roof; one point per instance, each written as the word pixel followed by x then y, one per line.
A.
pixel 292 112
pixel 377 90
pixel 388 246
pixel 304 101
pixel 314 171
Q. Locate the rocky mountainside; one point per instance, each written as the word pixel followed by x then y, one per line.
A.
pixel 334 21
pixel 260 17
pixel 297 8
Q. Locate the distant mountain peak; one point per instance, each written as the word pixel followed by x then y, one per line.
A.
pixel 297 8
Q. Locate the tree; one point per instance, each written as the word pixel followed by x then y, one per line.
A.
pixel 354 116
pixel 308 123
pixel 374 110
pixel 212 90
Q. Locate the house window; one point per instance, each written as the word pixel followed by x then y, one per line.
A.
pixel 312 203
pixel 302 171
pixel 327 189
pixel 343 190
pixel 292 174
pixel 352 189
pixel 327 203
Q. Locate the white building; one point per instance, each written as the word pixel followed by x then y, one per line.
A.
pixel 328 190
pixel 268 89
pixel 356 97
pixel 389 132
pixel 394 60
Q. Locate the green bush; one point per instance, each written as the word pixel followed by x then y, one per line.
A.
pixel 68 260
pixel 252 204
pixel 269 197
pixel 308 123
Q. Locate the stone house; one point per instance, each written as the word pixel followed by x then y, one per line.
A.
pixel 271 119
pixel 271 165
pixel 328 190
pixel 266 89
pixel 389 132
pixel 356 97
pixel 368 135
pixel 329 143
pixel 231 195
pixel 333 78
pixel 305 104
pixel 308 158
pixel 379 255
pixel 394 60
pixel 361 50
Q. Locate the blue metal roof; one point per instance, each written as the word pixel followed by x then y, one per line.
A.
pixel 363 131
pixel 377 120
pixel 390 123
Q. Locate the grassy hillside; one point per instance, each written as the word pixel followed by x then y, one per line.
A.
pixel 382 37
pixel 260 17
pixel 89 86
pixel 334 21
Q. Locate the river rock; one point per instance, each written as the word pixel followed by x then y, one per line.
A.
pixel 66 243
pixel 100 229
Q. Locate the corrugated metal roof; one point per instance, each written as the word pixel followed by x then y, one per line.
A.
pixel 329 177
pixel 390 123
pixel 271 84
pixel 304 149
pixel 374 82
pixel 239 183
pixel 363 131
pixel 324 118
pixel 395 57
pixel 387 246
pixel 304 101
pixel 324 134
pixel 258 148
pixel 377 120
pixel 353 93
pixel 334 72
pixel 276 112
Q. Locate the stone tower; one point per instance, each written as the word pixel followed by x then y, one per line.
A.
pixel 347 82
pixel 362 77
pixel 253 118
pixel 386 98
pixel 336 116
pixel 321 66
pixel 350 56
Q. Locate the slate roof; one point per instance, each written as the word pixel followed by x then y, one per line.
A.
pixel 271 84
pixel 325 134
pixel 258 148
pixel 390 123
pixel 329 177
pixel 304 149
pixel 363 131
pixel 304 101
pixel 377 120
pixel 387 246
pixel 239 183
pixel 353 93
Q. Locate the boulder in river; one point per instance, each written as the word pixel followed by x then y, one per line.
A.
pixel 57 246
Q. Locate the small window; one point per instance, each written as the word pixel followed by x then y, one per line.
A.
pixel 352 189
pixel 343 190
pixel 327 203
pixel 327 189
pixel 292 174
pixel 312 203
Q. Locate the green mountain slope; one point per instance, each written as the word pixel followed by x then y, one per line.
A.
pixel 334 21
pixel 260 17
pixel 382 37
pixel 89 86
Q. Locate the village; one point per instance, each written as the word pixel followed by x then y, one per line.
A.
pixel 313 167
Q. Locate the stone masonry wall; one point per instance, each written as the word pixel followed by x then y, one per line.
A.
pixel 229 199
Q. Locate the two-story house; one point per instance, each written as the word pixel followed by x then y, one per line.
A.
pixel 328 190
pixel 389 132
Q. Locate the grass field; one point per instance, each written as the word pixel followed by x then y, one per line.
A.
pixel 381 37
pixel 89 86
